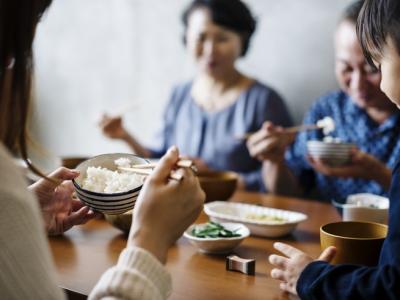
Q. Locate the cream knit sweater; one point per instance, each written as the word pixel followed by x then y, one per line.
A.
pixel 27 270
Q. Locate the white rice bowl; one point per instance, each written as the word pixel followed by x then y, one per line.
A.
pixel 104 188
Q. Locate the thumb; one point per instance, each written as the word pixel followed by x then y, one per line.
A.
pixel 165 165
pixel 328 254
pixel 62 174
pixel 268 125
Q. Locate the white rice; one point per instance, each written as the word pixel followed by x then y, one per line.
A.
pixel 327 124
pixel 103 180
pixel 330 139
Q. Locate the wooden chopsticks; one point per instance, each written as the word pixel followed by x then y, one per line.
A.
pixel 294 129
pixel 146 169
pixel 183 163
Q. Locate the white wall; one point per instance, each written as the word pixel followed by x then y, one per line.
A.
pixel 102 55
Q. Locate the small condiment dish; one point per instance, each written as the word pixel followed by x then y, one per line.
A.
pixel 365 207
pixel 218 245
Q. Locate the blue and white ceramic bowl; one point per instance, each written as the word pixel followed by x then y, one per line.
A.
pixel 112 203
pixel 332 153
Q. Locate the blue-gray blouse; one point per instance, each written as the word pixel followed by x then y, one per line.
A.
pixel 212 136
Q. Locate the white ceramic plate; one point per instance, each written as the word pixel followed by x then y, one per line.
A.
pixel 218 245
pixel 262 221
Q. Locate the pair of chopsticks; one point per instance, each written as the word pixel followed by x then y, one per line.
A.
pixel 294 129
pixel 146 169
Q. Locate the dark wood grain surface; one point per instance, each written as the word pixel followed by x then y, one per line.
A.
pixel 85 252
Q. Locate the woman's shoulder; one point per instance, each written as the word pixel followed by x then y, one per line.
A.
pixel 263 91
pixel 180 92
pixel 263 95
pixel 182 88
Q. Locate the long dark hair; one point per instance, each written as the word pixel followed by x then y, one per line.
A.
pixel 18 20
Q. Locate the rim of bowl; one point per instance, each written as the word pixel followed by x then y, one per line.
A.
pixel 320 143
pixel 353 238
pixel 76 185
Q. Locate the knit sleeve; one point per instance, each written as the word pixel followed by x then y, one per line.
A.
pixel 138 275
pixel 27 271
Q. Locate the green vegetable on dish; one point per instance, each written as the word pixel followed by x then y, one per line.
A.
pixel 213 230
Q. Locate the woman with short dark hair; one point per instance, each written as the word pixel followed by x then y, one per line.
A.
pixel 206 115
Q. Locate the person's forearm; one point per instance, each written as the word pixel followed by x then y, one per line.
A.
pixel 279 179
pixel 142 238
pixel 136 146
pixel 383 177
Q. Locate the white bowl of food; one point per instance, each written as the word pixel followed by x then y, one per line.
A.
pixel 216 238
pixel 331 151
pixel 366 207
pixel 262 221
pixel 104 188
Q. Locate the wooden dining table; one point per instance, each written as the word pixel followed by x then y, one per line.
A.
pixel 83 253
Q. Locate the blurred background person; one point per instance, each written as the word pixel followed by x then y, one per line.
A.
pixel 163 210
pixel 205 116
pixel 297 272
pixel 363 115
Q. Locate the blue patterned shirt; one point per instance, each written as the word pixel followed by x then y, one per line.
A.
pixel 352 125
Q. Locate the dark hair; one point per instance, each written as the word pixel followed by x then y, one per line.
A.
pixel 18 20
pixel 352 11
pixel 232 14
pixel 378 20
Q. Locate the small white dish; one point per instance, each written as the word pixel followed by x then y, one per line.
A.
pixel 262 221
pixel 218 245
pixel 366 207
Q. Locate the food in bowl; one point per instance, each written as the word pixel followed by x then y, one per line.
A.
pixel 219 211
pixel 327 124
pixel 121 195
pixel 103 180
pixel 213 230
pixel 217 244
pixel 264 217
pixel 331 139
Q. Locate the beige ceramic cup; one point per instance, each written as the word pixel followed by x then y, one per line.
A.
pixel 356 242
